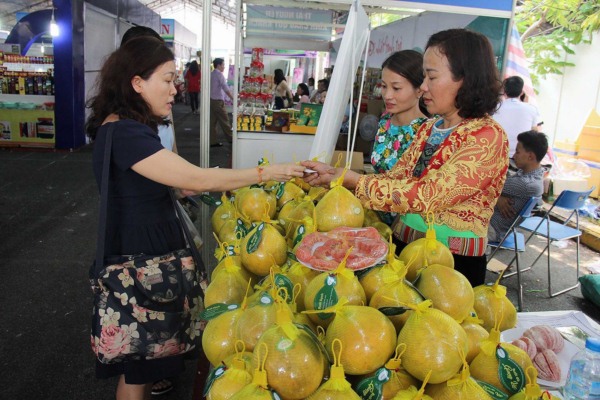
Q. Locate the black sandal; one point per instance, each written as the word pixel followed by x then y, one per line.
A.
pixel 161 387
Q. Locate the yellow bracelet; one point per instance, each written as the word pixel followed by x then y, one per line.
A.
pixel 260 172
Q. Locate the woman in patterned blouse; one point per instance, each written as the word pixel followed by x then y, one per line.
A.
pixel 401 78
pixel 456 165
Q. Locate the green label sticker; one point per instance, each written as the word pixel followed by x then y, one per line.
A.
pixel 214 375
pixel 390 311
pixel 214 310
pixel 492 390
pixel 284 344
pixel 300 232
pixel 282 281
pixel 254 240
pixel 280 190
pixel 206 199
pixel 510 373
pixel 372 388
pixel 274 395
pixel 326 297
pixel 240 229
pixel 265 299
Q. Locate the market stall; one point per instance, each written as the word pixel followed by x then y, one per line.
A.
pixel 304 26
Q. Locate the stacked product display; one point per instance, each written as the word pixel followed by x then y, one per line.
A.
pixel 26 100
pixel 254 97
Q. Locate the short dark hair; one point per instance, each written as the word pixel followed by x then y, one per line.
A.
pixel 535 142
pixel 217 62
pixel 115 94
pixel 513 86
pixel 325 83
pixel 137 31
pixel 471 59
pixel 311 79
pixel 406 63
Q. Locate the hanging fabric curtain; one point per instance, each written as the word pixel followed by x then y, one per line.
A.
pixel 354 41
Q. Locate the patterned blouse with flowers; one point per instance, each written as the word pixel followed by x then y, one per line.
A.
pixel 460 184
pixel 391 141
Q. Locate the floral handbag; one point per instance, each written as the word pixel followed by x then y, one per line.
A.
pixel 145 307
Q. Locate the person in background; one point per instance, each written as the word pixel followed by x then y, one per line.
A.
pixel 282 94
pixel 527 182
pixel 302 93
pixel 322 86
pixel 218 114
pixel 311 87
pixel 514 115
pixel 135 93
pixel 192 83
pixel 456 165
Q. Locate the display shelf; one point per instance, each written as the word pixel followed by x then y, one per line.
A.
pixel 276 147
pixel 26 67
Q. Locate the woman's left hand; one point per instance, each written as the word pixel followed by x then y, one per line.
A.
pixel 323 173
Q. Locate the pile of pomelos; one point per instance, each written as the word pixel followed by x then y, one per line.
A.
pixel 410 327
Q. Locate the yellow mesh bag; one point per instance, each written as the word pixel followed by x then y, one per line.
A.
pixel 224 212
pixel 328 287
pixel 412 393
pixel 230 377
pixel 262 247
pixel 297 361
pixel 372 280
pixel 286 192
pixel 252 203
pixel 220 334
pixel 490 302
pixel 228 282
pixel 298 274
pixel 395 293
pixel 475 333
pixel 387 380
pixel 305 208
pixel 336 387
pixel 500 365
pixel 448 289
pixel 460 387
pixel 260 316
pixel 258 389
pixel 368 337
pixel 434 342
pixel 425 251
pixel 532 390
pixel 339 207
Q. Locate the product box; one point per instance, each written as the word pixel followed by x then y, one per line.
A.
pixel 589 139
pixel 357 163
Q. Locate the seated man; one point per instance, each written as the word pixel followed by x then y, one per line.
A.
pixel 521 185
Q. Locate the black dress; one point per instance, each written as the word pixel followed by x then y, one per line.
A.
pixel 141 219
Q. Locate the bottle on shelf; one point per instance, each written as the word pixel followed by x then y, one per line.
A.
pixel 583 381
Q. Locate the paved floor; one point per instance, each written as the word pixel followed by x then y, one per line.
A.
pixel 48 213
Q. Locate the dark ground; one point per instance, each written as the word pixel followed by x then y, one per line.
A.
pixel 48 218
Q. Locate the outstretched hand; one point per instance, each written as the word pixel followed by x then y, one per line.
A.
pixel 284 172
pixel 321 174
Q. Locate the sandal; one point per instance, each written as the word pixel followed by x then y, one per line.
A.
pixel 161 387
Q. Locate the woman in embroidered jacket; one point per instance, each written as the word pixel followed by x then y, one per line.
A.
pixel 456 165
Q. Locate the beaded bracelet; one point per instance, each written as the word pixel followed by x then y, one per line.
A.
pixel 260 172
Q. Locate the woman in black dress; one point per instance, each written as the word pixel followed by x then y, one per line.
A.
pixel 135 92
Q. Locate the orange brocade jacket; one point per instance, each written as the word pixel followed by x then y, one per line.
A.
pixel 460 185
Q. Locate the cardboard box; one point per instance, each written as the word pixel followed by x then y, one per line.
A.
pixel 357 163
pixel 589 138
